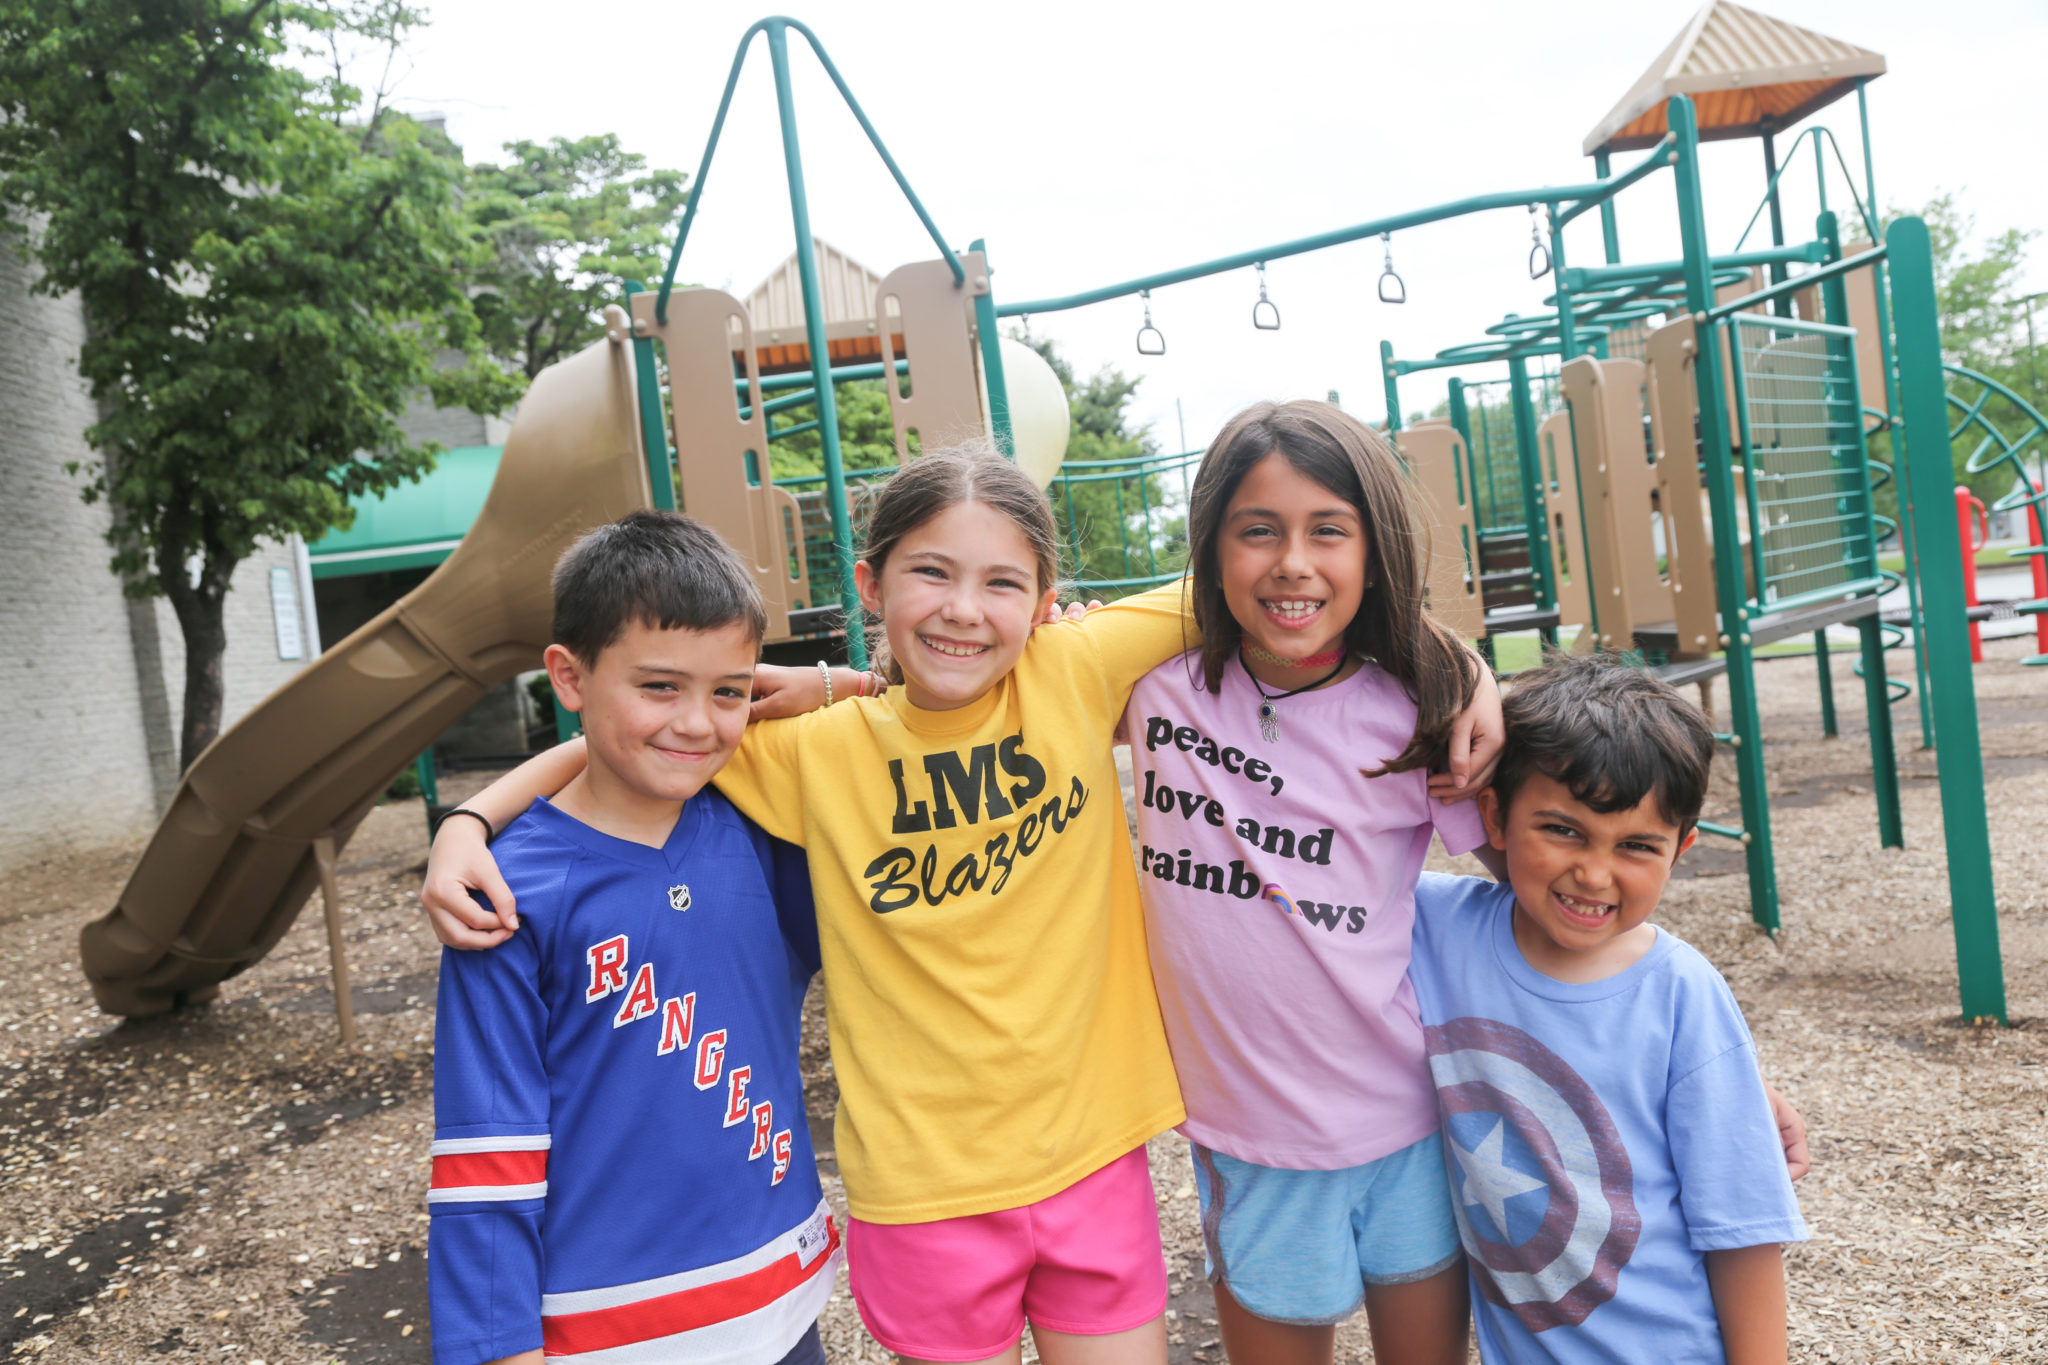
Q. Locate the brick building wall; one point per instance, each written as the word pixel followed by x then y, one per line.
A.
pixel 91 683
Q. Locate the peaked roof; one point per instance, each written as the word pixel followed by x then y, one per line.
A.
pixel 1745 71
pixel 847 289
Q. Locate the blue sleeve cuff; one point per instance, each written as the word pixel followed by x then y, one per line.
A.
pixel 1734 1236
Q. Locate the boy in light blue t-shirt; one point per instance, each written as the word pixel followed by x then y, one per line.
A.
pixel 1618 1178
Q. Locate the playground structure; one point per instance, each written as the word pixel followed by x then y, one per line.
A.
pixel 1720 399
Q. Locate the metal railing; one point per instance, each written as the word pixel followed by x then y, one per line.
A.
pixel 1807 495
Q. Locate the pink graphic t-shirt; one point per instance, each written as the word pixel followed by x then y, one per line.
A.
pixel 1279 890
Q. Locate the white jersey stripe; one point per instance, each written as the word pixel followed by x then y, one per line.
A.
pixel 510 1142
pixel 616 1296
pixel 476 1194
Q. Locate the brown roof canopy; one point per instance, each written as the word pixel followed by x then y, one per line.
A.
pixel 1745 72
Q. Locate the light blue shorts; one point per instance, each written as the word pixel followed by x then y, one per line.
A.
pixel 1300 1246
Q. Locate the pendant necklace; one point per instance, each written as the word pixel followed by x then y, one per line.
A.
pixel 1269 714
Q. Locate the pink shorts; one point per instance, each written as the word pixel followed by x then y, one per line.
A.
pixel 1086 1261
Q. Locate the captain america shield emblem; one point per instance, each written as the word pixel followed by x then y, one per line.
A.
pixel 1542 1183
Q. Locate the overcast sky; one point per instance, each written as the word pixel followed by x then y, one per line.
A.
pixel 1091 142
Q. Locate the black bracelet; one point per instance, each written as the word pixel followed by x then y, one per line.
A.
pixel 490 832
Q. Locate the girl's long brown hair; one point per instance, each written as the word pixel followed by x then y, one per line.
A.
pixel 1392 627
pixel 927 486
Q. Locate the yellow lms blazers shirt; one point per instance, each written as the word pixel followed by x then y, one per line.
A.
pixel 994 1028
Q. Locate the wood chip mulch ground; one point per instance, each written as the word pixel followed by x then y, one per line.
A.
pixel 228 1185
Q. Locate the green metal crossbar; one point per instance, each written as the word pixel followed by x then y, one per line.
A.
pixel 1588 194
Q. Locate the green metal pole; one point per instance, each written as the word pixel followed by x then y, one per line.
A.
pixel 1966 823
pixel 814 335
pixel 1610 236
pixel 1820 171
pixel 1567 325
pixel 1782 306
pixel 1877 702
pixel 1745 724
pixel 1393 387
pixel 1884 762
pixel 1908 540
pixel 992 360
pixel 661 479
pixel 1531 462
pixel 430 783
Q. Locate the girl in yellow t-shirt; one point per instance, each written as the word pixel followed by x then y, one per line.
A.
pixel 995 1033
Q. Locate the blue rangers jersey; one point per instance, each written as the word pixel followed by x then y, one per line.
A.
pixel 621 1166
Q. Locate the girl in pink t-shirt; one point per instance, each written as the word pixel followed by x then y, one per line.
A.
pixel 1283 815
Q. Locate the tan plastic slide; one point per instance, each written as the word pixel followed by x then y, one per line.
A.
pixel 233 859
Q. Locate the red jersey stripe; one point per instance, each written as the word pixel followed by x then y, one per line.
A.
pixel 458 1170
pixel 685 1310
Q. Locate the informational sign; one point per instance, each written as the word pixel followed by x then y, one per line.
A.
pixel 284 609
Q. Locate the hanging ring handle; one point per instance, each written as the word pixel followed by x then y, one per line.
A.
pixel 1392 288
pixel 1265 313
pixel 1539 254
pixel 1157 344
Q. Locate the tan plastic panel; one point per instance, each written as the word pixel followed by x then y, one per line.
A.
pixel 1616 482
pixel 1674 405
pixel 1559 461
pixel 1436 461
pixel 232 860
pixel 1749 285
pixel 1861 288
pixel 704 328
pixel 935 318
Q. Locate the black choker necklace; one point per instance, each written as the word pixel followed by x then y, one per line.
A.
pixel 1269 714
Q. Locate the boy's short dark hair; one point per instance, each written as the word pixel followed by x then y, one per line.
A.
pixel 663 569
pixel 1610 733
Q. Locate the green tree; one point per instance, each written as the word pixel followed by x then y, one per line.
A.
pixel 271 266
pixel 867 432
pixel 568 221
pixel 1982 327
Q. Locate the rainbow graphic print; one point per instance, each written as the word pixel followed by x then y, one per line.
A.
pixel 1280 898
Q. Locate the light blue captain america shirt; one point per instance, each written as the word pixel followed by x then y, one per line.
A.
pixel 1600 1137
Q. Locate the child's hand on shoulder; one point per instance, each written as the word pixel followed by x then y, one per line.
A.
pixel 1476 739
pixel 1073 611
pixel 460 862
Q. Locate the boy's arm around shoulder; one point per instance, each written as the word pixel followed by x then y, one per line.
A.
pixel 491 1149
pixel 460 863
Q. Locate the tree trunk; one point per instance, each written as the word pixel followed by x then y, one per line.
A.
pixel 202 618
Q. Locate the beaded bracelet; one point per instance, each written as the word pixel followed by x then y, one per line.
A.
pixel 825 672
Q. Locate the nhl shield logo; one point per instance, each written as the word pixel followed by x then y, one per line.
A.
pixel 1543 1184
pixel 679 897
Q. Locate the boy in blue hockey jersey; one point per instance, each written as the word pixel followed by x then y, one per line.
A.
pixel 621 1166
pixel 1615 1167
